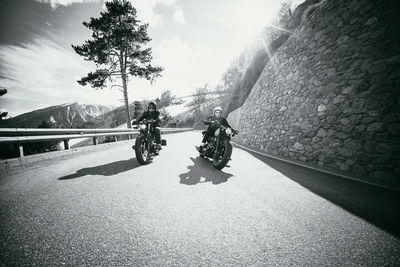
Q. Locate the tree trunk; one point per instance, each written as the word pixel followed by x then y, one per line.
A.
pixel 125 89
pixel 128 115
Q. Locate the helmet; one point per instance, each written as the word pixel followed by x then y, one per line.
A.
pixel 152 104
pixel 217 109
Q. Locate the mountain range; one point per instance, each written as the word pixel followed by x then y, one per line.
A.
pixel 72 115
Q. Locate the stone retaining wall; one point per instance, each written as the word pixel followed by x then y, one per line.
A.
pixel 331 94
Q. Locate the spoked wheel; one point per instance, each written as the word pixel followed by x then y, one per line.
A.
pixel 148 147
pixel 222 157
pixel 141 151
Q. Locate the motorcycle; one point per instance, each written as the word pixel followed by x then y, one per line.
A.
pixel 145 145
pixel 218 147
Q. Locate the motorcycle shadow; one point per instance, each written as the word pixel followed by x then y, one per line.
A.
pixel 202 171
pixel 108 169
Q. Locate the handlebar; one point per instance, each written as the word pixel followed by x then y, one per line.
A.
pixel 217 123
pixel 148 121
pixel 211 122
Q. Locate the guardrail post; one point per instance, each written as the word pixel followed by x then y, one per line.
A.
pixel 129 137
pixel 66 144
pixel 95 141
pixel 21 151
pixel 115 138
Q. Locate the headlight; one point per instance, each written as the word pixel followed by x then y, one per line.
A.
pixel 143 126
pixel 228 130
pixel 217 132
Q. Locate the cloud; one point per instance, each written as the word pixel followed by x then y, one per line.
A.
pixel 146 11
pixel 179 62
pixel 244 19
pixel 177 57
pixel 187 67
pixel 145 8
pixel 45 74
pixel 56 3
pixel 179 16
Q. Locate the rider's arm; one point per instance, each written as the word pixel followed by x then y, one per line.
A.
pixel 143 116
pixel 159 118
pixel 225 123
pixel 208 121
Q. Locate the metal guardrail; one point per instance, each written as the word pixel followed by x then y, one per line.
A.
pixel 21 136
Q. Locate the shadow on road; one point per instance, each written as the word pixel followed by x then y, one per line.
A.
pixel 202 171
pixel 106 169
pixel 376 205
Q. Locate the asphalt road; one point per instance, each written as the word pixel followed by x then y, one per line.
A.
pixel 105 209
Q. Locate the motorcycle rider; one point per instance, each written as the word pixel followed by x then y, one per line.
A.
pixel 153 114
pixel 213 122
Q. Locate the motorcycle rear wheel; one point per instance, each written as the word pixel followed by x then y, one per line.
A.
pixel 142 154
pixel 220 163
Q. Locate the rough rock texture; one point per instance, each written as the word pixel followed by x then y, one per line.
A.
pixel 331 94
pixel 245 84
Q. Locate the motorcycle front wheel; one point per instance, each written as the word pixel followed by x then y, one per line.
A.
pixel 141 151
pixel 220 161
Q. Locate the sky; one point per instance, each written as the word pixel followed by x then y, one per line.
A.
pixel 195 41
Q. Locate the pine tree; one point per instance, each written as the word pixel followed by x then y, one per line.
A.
pixel 3 91
pixel 117 49
pixel 3 114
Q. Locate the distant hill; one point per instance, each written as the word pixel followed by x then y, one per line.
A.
pixel 115 117
pixel 63 116
pixel 77 115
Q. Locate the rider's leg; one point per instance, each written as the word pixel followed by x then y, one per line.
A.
pixel 208 133
pixel 157 133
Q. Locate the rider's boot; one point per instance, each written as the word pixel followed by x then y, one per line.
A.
pixel 159 147
pixel 201 147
